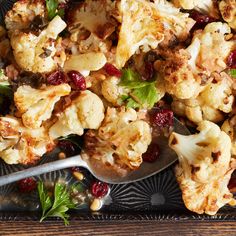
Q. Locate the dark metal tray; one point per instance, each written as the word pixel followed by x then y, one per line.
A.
pixel 155 198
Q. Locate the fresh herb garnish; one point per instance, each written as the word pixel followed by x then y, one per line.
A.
pixel 142 93
pixel 52 8
pixel 232 72
pixel 58 205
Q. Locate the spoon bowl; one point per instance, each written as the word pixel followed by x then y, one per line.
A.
pixel 101 172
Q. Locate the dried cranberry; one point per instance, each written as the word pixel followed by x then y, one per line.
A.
pixel 148 71
pixel 201 19
pixel 162 118
pixel 56 78
pixel 231 60
pixel 152 153
pixel 77 79
pixel 27 185
pixel 112 70
pixel 67 147
pixel 99 189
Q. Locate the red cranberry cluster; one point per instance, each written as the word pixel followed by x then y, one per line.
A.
pixel 73 77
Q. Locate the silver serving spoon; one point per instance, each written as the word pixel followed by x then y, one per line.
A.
pixel 105 174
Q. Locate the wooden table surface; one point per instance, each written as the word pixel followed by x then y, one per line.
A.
pixel 120 228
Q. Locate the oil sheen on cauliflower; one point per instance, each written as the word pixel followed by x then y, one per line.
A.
pixel 21 145
pixel 186 71
pixel 34 51
pixel 204 168
pixel 228 12
pixel 36 105
pixel 85 112
pixel 121 139
pixel 211 104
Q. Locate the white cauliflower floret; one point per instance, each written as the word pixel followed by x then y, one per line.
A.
pixel 212 40
pixel 229 127
pixel 173 19
pixel 85 112
pixel 21 145
pixel 204 168
pixel 93 16
pixel 186 72
pixel 36 105
pixel 23 13
pixel 204 6
pixel 215 99
pixel 141 26
pixel 121 139
pixel 84 63
pixel 34 52
pixel 112 91
pixel 228 12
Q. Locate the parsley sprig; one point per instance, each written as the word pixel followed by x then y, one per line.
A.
pixel 143 94
pixel 52 8
pixel 56 206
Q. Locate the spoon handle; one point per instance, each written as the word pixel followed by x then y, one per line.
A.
pixel 44 168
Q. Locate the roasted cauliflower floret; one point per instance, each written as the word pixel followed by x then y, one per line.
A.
pixel 173 19
pixel 212 102
pixel 141 26
pixel 112 91
pixel 23 13
pixel 204 6
pixel 204 168
pixel 186 72
pixel 93 16
pixel 36 105
pixel 212 40
pixel 36 52
pixel 121 139
pixel 228 12
pixel 21 145
pixel 85 112
pixel 229 127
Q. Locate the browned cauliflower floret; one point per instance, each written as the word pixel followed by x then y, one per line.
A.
pixel 186 72
pixel 23 13
pixel 228 12
pixel 212 102
pixel 36 105
pixel 229 127
pixel 204 168
pixel 21 145
pixel 34 50
pixel 85 112
pixel 94 16
pixel 174 20
pixel 141 26
pixel 205 6
pixel 121 139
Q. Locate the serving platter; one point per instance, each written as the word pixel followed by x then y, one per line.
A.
pixel 155 198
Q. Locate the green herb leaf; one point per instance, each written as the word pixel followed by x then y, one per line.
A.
pixel 61 202
pixel 233 73
pixel 51 8
pixel 131 79
pixel 45 200
pixel 146 96
pixel 142 93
